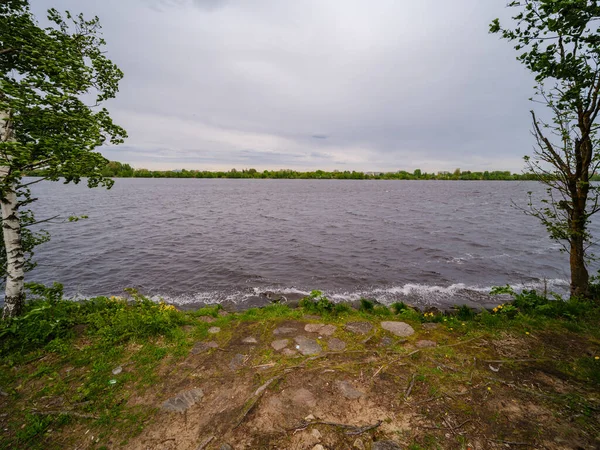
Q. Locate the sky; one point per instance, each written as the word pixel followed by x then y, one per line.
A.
pixel 378 85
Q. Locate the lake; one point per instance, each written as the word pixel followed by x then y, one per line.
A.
pixel 211 240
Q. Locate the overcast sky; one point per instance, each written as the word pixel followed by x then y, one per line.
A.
pixel 306 84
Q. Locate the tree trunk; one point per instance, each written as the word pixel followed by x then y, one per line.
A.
pixel 11 229
pixel 580 280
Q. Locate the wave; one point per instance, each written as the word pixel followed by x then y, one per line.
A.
pixel 414 293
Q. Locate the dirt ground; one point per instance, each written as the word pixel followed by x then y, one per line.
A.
pixel 431 389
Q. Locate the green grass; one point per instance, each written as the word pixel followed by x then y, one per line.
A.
pixel 94 337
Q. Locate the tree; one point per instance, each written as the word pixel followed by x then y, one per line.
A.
pixel 46 77
pixel 559 41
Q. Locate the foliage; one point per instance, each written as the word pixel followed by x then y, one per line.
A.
pixel 317 303
pixel 559 42
pixel 533 304
pixel 44 74
pixel 49 319
pixel 117 169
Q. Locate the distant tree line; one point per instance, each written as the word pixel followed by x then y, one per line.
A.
pixel 119 170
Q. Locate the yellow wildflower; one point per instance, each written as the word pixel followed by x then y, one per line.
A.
pixel 597 358
pixel 527 332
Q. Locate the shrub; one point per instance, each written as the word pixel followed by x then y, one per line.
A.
pixel 317 303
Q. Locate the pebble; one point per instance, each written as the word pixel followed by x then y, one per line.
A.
pixel 348 391
pixel 401 329
pixel 318 447
pixel 288 352
pixel 206 319
pixel 359 327
pixel 280 344
pixel 183 401
pixel 307 346
pixel 316 433
pixel 425 344
pixel 201 347
pixel 284 330
pixel 321 328
pixel 336 345
pixel 237 362
pixel 214 330
pixel 250 340
pixel 430 326
pixel 117 370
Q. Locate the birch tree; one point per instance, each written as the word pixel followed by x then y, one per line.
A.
pixel 53 82
pixel 559 42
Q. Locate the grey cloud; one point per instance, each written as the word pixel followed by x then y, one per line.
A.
pixel 397 84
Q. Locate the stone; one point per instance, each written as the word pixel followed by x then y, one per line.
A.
pixel 307 346
pixel 284 330
pixel 430 326
pixel 280 344
pixel 318 447
pixel 249 340
pixel 321 328
pixel 303 396
pixel 386 341
pixel 359 327
pixel 425 344
pixel 358 444
pixel 401 329
pixel 336 345
pixel 183 401
pixel 225 447
pixel 206 319
pixel 385 445
pixel 348 391
pixel 310 417
pixel 223 313
pixel 316 433
pixel 214 330
pixel 237 362
pixel 288 352
pixel 201 347
pixel 117 370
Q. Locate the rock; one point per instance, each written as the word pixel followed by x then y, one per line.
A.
pixel 280 344
pixel 183 401
pixel 225 447
pixel 288 352
pixel 223 313
pixel 201 347
pixel 385 445
pixel 284 330
pixel 348 391
pixel 313 327
pixel 386 341
pixel 430 326
pixel 336 345
pixel 316 433
pixel 321 328
pixel 318 447
pixel 358 444
pixel 303 396
pixel 117 370
pixel 425 344
pixel 310 417
pixel 237 362
pixel 249 340
pixel 206 319
pixel 214 330
pixel 359 327
pixel 307 346
pixel 401 329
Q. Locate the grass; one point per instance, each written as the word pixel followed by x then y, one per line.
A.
pixel 71 353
